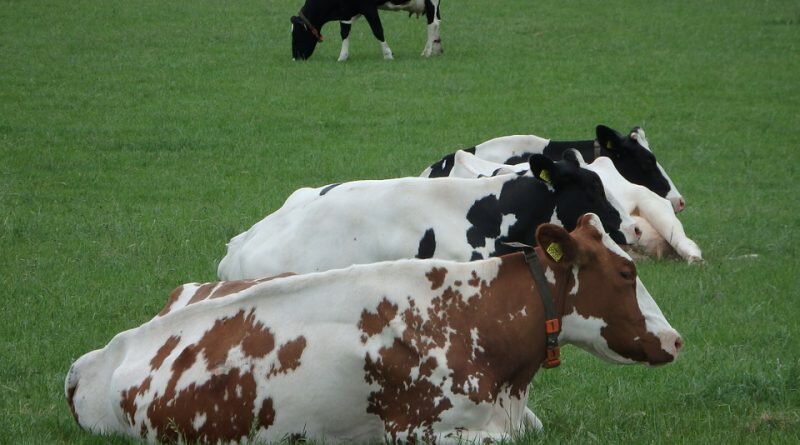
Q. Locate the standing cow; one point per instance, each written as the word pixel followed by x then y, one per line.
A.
pixel 408 351
pixel 307 24
pixel 631 155
pixel 450 218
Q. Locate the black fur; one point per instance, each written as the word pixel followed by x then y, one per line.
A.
pixel 572 192
pixel 442 168
pixel 320 12
pixel 634 162
pixel 328 188
pixel 427 245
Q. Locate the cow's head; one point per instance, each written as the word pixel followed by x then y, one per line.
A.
pixel 304 38
pixel 633 159
pixel 580 191
pixel 607 311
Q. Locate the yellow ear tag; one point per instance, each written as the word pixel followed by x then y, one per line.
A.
pixel 544 175
pixel 554 250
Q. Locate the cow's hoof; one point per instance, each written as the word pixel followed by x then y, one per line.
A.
pixel 690 251
pixel 388 56
pixel 433 49
pixel 692 259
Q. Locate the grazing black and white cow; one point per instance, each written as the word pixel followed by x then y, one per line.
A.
pixel 449 218
pixel 631 155
pixel 307 24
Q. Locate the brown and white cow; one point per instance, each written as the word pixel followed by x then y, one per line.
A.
pixel 400 351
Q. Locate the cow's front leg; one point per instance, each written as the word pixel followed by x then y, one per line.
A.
pixel 531 421
pixel 658 212
pixel 434 44
pixel 371 14
pixel 344 28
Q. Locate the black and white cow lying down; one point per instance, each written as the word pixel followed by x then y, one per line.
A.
pixel 307 24
pixel 631 155
pixel 449 218
pixel 662 233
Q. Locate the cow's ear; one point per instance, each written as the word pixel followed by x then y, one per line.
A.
pixel 542 167
pixel 608 138
pixel 574 157
pixel 557 244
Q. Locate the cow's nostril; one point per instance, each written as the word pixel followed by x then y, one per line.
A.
pixel 678 344
pixel 637 231
pixel 679 205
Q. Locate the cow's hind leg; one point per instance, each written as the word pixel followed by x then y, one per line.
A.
pixel 371 14
pixel 344 29
pixel 434 44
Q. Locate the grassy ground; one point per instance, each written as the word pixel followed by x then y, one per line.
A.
pixel 137 137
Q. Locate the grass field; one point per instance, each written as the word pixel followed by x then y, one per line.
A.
pixel 137 137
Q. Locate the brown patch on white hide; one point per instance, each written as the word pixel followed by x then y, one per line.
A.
pixel 222 408
pixel 494 340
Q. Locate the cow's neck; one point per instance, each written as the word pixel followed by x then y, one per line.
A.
pixel 519 340
pixel 527 216
pixel 551 292
pixel 316 11
pixel 556 149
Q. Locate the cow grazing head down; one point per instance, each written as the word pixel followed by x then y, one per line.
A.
pixel 305 37
pixel 607 311
pixel 580 191
pixel 635 161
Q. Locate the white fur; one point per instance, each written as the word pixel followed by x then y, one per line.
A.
pixel 387 52
pixel 662 226
pixel 344 54
pixel 360 222
pixel 673 196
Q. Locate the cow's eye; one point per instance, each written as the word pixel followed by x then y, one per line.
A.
pixel 626 275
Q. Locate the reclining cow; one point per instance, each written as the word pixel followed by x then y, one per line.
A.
pixel 457 219
pixel 405 351
pixel 662 234
pixel 307 24
pixel 631 155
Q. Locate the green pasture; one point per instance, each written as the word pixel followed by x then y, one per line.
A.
pixel 138 136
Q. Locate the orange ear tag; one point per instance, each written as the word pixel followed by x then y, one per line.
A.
pixel 554 250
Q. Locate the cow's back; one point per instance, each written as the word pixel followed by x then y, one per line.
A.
pixel 359 222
